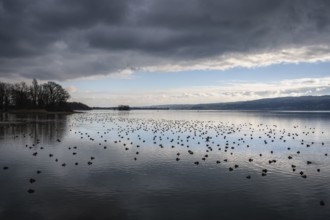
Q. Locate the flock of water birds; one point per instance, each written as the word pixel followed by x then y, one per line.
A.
pixel 204 141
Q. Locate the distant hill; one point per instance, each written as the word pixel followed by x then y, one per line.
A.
pixel 132 108
pixel 78 106
pixel 302 103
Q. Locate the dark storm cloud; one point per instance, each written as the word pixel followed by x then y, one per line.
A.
pixel 63 39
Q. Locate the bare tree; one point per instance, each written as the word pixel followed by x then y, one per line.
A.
pixel 20 97
pixel 2 88
pixel 54 95
pixel 5 92
pixel 34 92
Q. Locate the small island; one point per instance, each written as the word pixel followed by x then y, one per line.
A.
pixel 123 108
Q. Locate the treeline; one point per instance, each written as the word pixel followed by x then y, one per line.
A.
pixel 49 96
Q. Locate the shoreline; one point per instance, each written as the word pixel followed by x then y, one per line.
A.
pixel 37 111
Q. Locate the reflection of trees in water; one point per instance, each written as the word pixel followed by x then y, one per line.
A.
pixel 123 113
pixel 43 127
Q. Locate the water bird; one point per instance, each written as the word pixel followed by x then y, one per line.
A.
pixel 31 191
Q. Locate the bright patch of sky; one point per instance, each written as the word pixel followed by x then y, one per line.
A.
pixel 183 87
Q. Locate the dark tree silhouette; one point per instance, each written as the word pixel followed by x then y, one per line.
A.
pixel 50 96
pixel 34 92
pixel 54 95
pixel 20 95
pixel 5 91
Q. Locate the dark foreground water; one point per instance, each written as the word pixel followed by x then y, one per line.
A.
pixel 165 165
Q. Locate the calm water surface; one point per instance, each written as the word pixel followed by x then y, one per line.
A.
pixel 165 165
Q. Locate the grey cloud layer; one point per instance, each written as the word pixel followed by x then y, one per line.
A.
pixel 65 39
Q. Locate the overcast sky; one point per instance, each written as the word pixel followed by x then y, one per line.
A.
pixel 145 52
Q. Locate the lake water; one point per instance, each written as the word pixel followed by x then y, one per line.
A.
pixel 165 165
